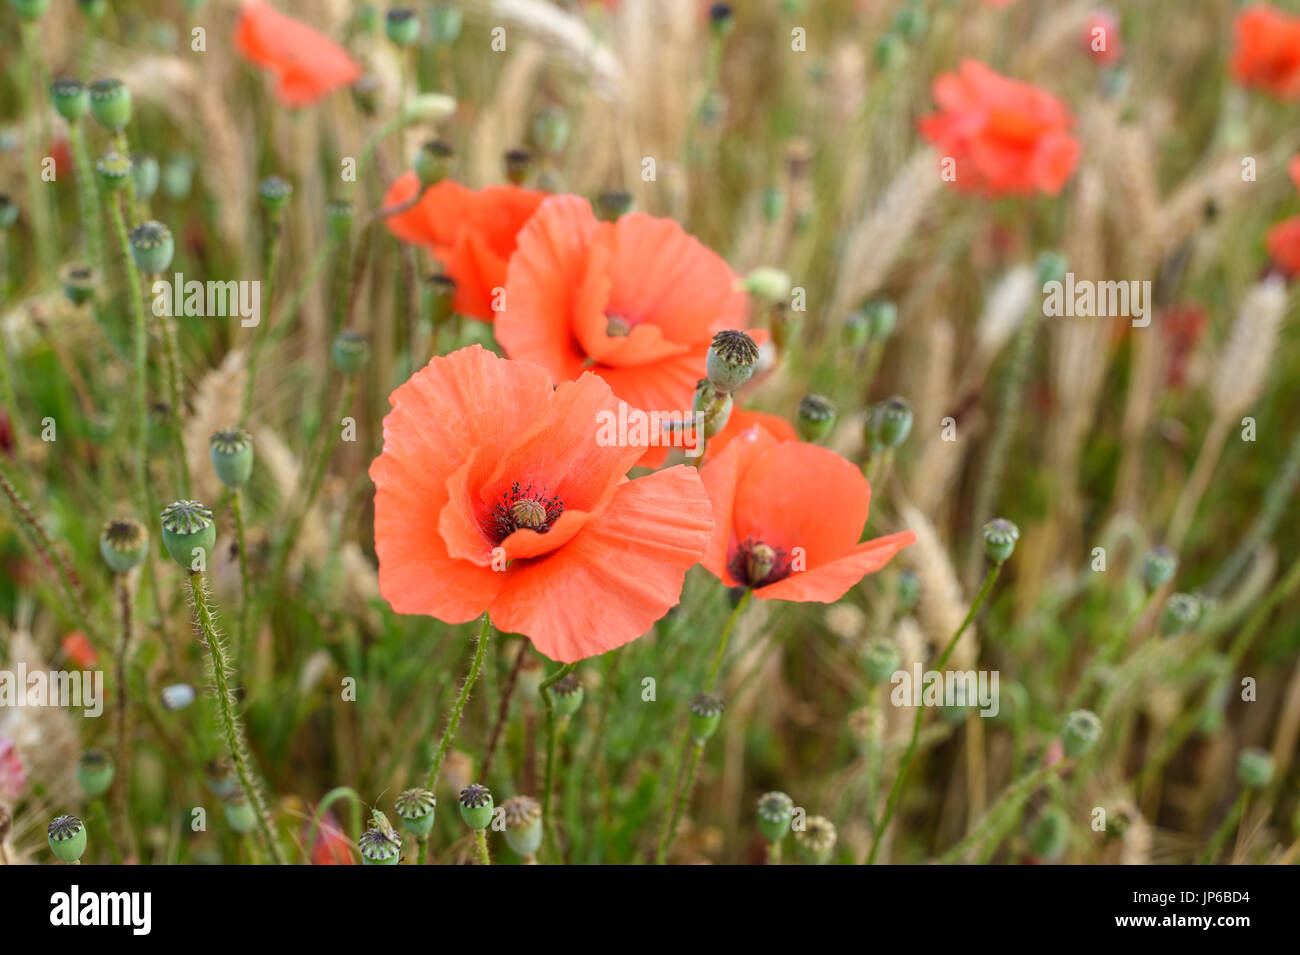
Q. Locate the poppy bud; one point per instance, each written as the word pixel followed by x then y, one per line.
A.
pixel 145 173
pixel 380 846
pixel 114 170
pixel 30 10
pixel 1254 768
pixel 428 108
pixel 232 456
pixel 110 103
pixel 71 99
pixel 94 773
pixel 816 417
pixel 856 330
pixel 67 838
pixel 178 177
pixel 784 325
pixel 1049 833
pixel 882 317
pixel 567 694
pixel 433 162
pixel 188 526
pixel 152 247
pixel 769 284
pixel 910 23
pixel 416 808
pixel 772 202
pixel 1050 267
pixel 706 714
pixel 402 26
pixel 523 818
pixel 1180 613
pixel 891 422
pixel 816 841
pixel 881 659
pixel 445 23
pixel 612 204
pixel 239 814
pixel 1000 537
pixel 123 544
pixel 350 352
pixel 274 193
pixel 78 282
pixel 774 810
pixel 476 806
pixel 721 18
pixel 1158 567
pixel 519 165
pixel 1081 732
pixel 909 590
pixel 441 290
pixel 551 129
pixel 731 360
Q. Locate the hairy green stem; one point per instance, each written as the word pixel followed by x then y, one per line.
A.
pixel 241 541
pixel 548 780
pixel 87 196
pixel 480 651
pixel 140 355
pixel 122 779
pixel 480 841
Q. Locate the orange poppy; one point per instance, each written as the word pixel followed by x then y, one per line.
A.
pixel 1267 51
pixel 307 64
pixel 471 232
pixel 741 421
pixel 789 517
pixel 1006 137
pixel 77 648
pixel 1283 239
pixel 493 493
pixel 1101 38
pixel 637 301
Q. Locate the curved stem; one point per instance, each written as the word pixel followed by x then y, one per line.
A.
pixel 480 651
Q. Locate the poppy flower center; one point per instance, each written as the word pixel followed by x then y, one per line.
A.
pixel 525 507
pixel 757 564
pixel 617 326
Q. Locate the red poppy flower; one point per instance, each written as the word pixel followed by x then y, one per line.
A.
pixel 789 517
pixel 331 846
pixel 1007 137
pixel 493 493
pixel 741 421
pixel 1101 38
pixel 307 64
pixel 636 301
pixel 77 648
pixel 472 233
pixel 1267 51
pixel 1284 245
pixel 13 778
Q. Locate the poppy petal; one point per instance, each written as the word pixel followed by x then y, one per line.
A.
pixel 831 581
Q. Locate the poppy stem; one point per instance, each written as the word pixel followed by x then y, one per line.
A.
pixel 544 691
pixel 723 639
pixel 140 353
pixel 480 839
pixel 1236 814
pixel 896 789
pixel 241 540
pixel 480 651
pixel 122 730
pixel 503 709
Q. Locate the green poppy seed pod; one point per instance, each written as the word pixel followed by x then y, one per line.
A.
pixel 721 18
pixel 444 23
pixel 428 108
pixel 891 422
pixel 152 247
pixel 1158 567
pixel 110 103
pixel 772 203
pixel 188 528
pixel 1049 833
pixel 881 659
pixel 1000 537
pixel 567 694
pixel 816 841
pixel 67 837
pixel 402 26
pixel 856 330
pixel 476 806
pixel 816 417
pixel 275 194
pixel 433 162
pixel 380 846
pixel 712 408
pixel 71 99
pixel 784 325
pixel 123 543
pixel 768 284
pixel 1050 267
pixel 350 352
pixel 909 590
pixel 78 281
pixel 519 165
pixel 339 214
pixel 910 23
pixel 523 818
pixel 731 360
pixel 239 814
pixel 178 177
pixel 613 204
pixel 94 773
pixel 882 318
pixel 891 51
pixel 232 456
pixel 774 811
pixel 1179 614
pixel 1254 768
pixel 441 290
pixel 416 809
pixel 145 173
pixel 8 211
pixel 114 171
pixel 706 715
pixel 1081 731
pixel 30 10
pixel 368 93
pixel 93 10
pixel 550 129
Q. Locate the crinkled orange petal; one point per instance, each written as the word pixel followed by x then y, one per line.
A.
pixel 721 477
pixel 620 574
pixel 307 64
pixel 832 580
pixel 742 420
